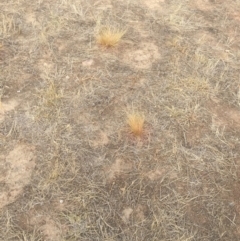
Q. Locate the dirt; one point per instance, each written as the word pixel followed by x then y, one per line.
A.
pixel 117 169
pixel 50 230
pixel 17 168
pixel 154 4
pixel 139 212
pixel 225 116
pixel 204 5
pixel 7 106
pixel 101 140
pixel 144 57
pixel 126 214
pixel 156 175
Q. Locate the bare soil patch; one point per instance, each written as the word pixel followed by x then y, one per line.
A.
pixel 155 4
pixel 7 106
pixel 225 116
pixel 144 56
pixel 117 169
pixel 16 171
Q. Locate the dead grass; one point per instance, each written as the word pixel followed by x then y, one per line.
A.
pixel 51 95
pixel 64 97
pixel 136 123
pixel 110 36
pixel 7 25
pixel 49 98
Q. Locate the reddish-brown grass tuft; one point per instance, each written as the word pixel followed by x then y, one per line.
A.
pixel 136 122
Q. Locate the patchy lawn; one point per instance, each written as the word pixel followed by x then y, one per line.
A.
pixel 133 140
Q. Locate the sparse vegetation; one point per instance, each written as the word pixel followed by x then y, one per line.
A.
pixel 74 165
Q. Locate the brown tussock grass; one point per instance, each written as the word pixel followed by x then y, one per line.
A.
pixel 7 25
pixel 136 123
pixel 51 95
pixel 49 99
pixel 109 36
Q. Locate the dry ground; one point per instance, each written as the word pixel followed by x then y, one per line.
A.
pixel 71 169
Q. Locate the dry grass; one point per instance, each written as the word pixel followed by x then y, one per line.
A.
pixel 49 98
pixel 91 182
pixel 7 25
pixel 110 36
pixel 51 95
pixel 136 123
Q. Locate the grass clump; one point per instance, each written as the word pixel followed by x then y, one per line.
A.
pixel 49 101
pixel 136 123
pixel 51 95
pixel 110 36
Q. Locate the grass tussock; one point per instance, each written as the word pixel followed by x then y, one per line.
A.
pixel 49 99
pixel 51 95
pixel 7 25
pixel 136 123
pixel 110 36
